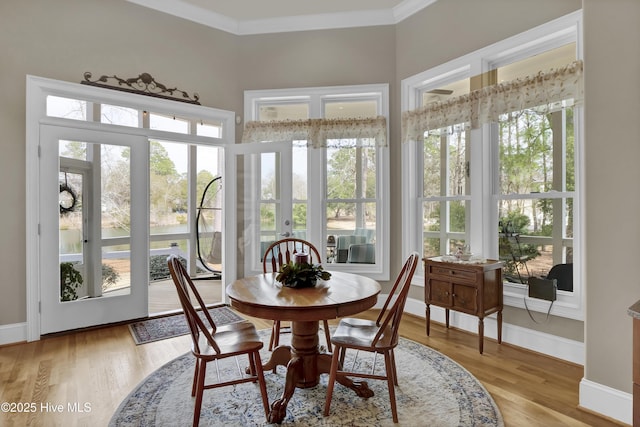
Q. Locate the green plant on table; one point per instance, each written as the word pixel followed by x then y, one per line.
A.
pixel 301 275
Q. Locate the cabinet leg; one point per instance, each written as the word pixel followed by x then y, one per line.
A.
pixel 446 317
pixel 499 327
pixel 481 334
pixel 427 315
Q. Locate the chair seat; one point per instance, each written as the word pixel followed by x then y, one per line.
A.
pixel 232 339
pixel 360 333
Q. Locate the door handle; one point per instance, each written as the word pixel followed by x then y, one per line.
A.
pixel 285 234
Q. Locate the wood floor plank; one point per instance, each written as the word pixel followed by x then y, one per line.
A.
pixel 100 367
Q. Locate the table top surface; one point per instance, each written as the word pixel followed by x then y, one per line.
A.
pixel 344 294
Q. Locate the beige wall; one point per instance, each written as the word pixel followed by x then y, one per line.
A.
pixel 612 154
pixel 63 39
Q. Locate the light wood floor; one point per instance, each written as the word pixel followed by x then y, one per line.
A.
pixel 100 367
pixel 163 297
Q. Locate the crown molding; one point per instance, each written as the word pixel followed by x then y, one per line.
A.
pixel 325 21
pixel 409 7
pixel 190 12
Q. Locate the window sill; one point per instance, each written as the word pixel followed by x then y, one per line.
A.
pixel 567 303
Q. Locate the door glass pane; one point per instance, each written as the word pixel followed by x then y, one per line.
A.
pixel 89 171
pixel 115 219
pixel 71 235
pixel 209 209
pixel 270 202
pixel 168 187
pixel 299 189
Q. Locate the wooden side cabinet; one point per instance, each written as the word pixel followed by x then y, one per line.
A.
pixel 475 289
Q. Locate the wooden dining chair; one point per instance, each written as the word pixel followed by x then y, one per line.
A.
pixel 379 336
pixel 275 256
pixel 211 343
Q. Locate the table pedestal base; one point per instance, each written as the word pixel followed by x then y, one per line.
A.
pixel 304 364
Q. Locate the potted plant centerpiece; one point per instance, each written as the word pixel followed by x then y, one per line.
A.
pixel 299 273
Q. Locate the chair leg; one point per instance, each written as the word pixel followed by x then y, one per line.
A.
pixel 261 381
pixel 199 391
pixel 393 363
pixel 195 377
pixel 274 341
pixel 390 384
pixel 252 365
pixel 327 334
pixel 273 335
pixel 332 379
pixel 276 337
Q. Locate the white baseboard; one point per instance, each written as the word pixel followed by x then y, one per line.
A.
pixel 551 345
pixel 14 333
pixel 606 401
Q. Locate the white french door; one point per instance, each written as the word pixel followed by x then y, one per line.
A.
pixel 93 240
pixel 267 197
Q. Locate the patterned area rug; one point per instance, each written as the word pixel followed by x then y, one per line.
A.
pixel 434 391
pixel 160 328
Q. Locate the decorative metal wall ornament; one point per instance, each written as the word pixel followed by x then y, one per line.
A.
pixel 144 84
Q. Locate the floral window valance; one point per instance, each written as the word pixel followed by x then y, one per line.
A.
pixel 546 91
pixel 317 131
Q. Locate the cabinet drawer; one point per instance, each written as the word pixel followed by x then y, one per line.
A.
pixel 453 273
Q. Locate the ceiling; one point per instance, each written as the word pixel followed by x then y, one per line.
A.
pixel 244 17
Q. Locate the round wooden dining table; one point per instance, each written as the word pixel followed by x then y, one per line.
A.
pixel 342 295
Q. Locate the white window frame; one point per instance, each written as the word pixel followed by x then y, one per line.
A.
pixel 483 223
pixel 315 98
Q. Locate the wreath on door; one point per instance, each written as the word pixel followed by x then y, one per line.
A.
pixel 68 199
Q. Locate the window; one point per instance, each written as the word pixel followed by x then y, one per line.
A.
pixel 498 176
pixel 338 170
